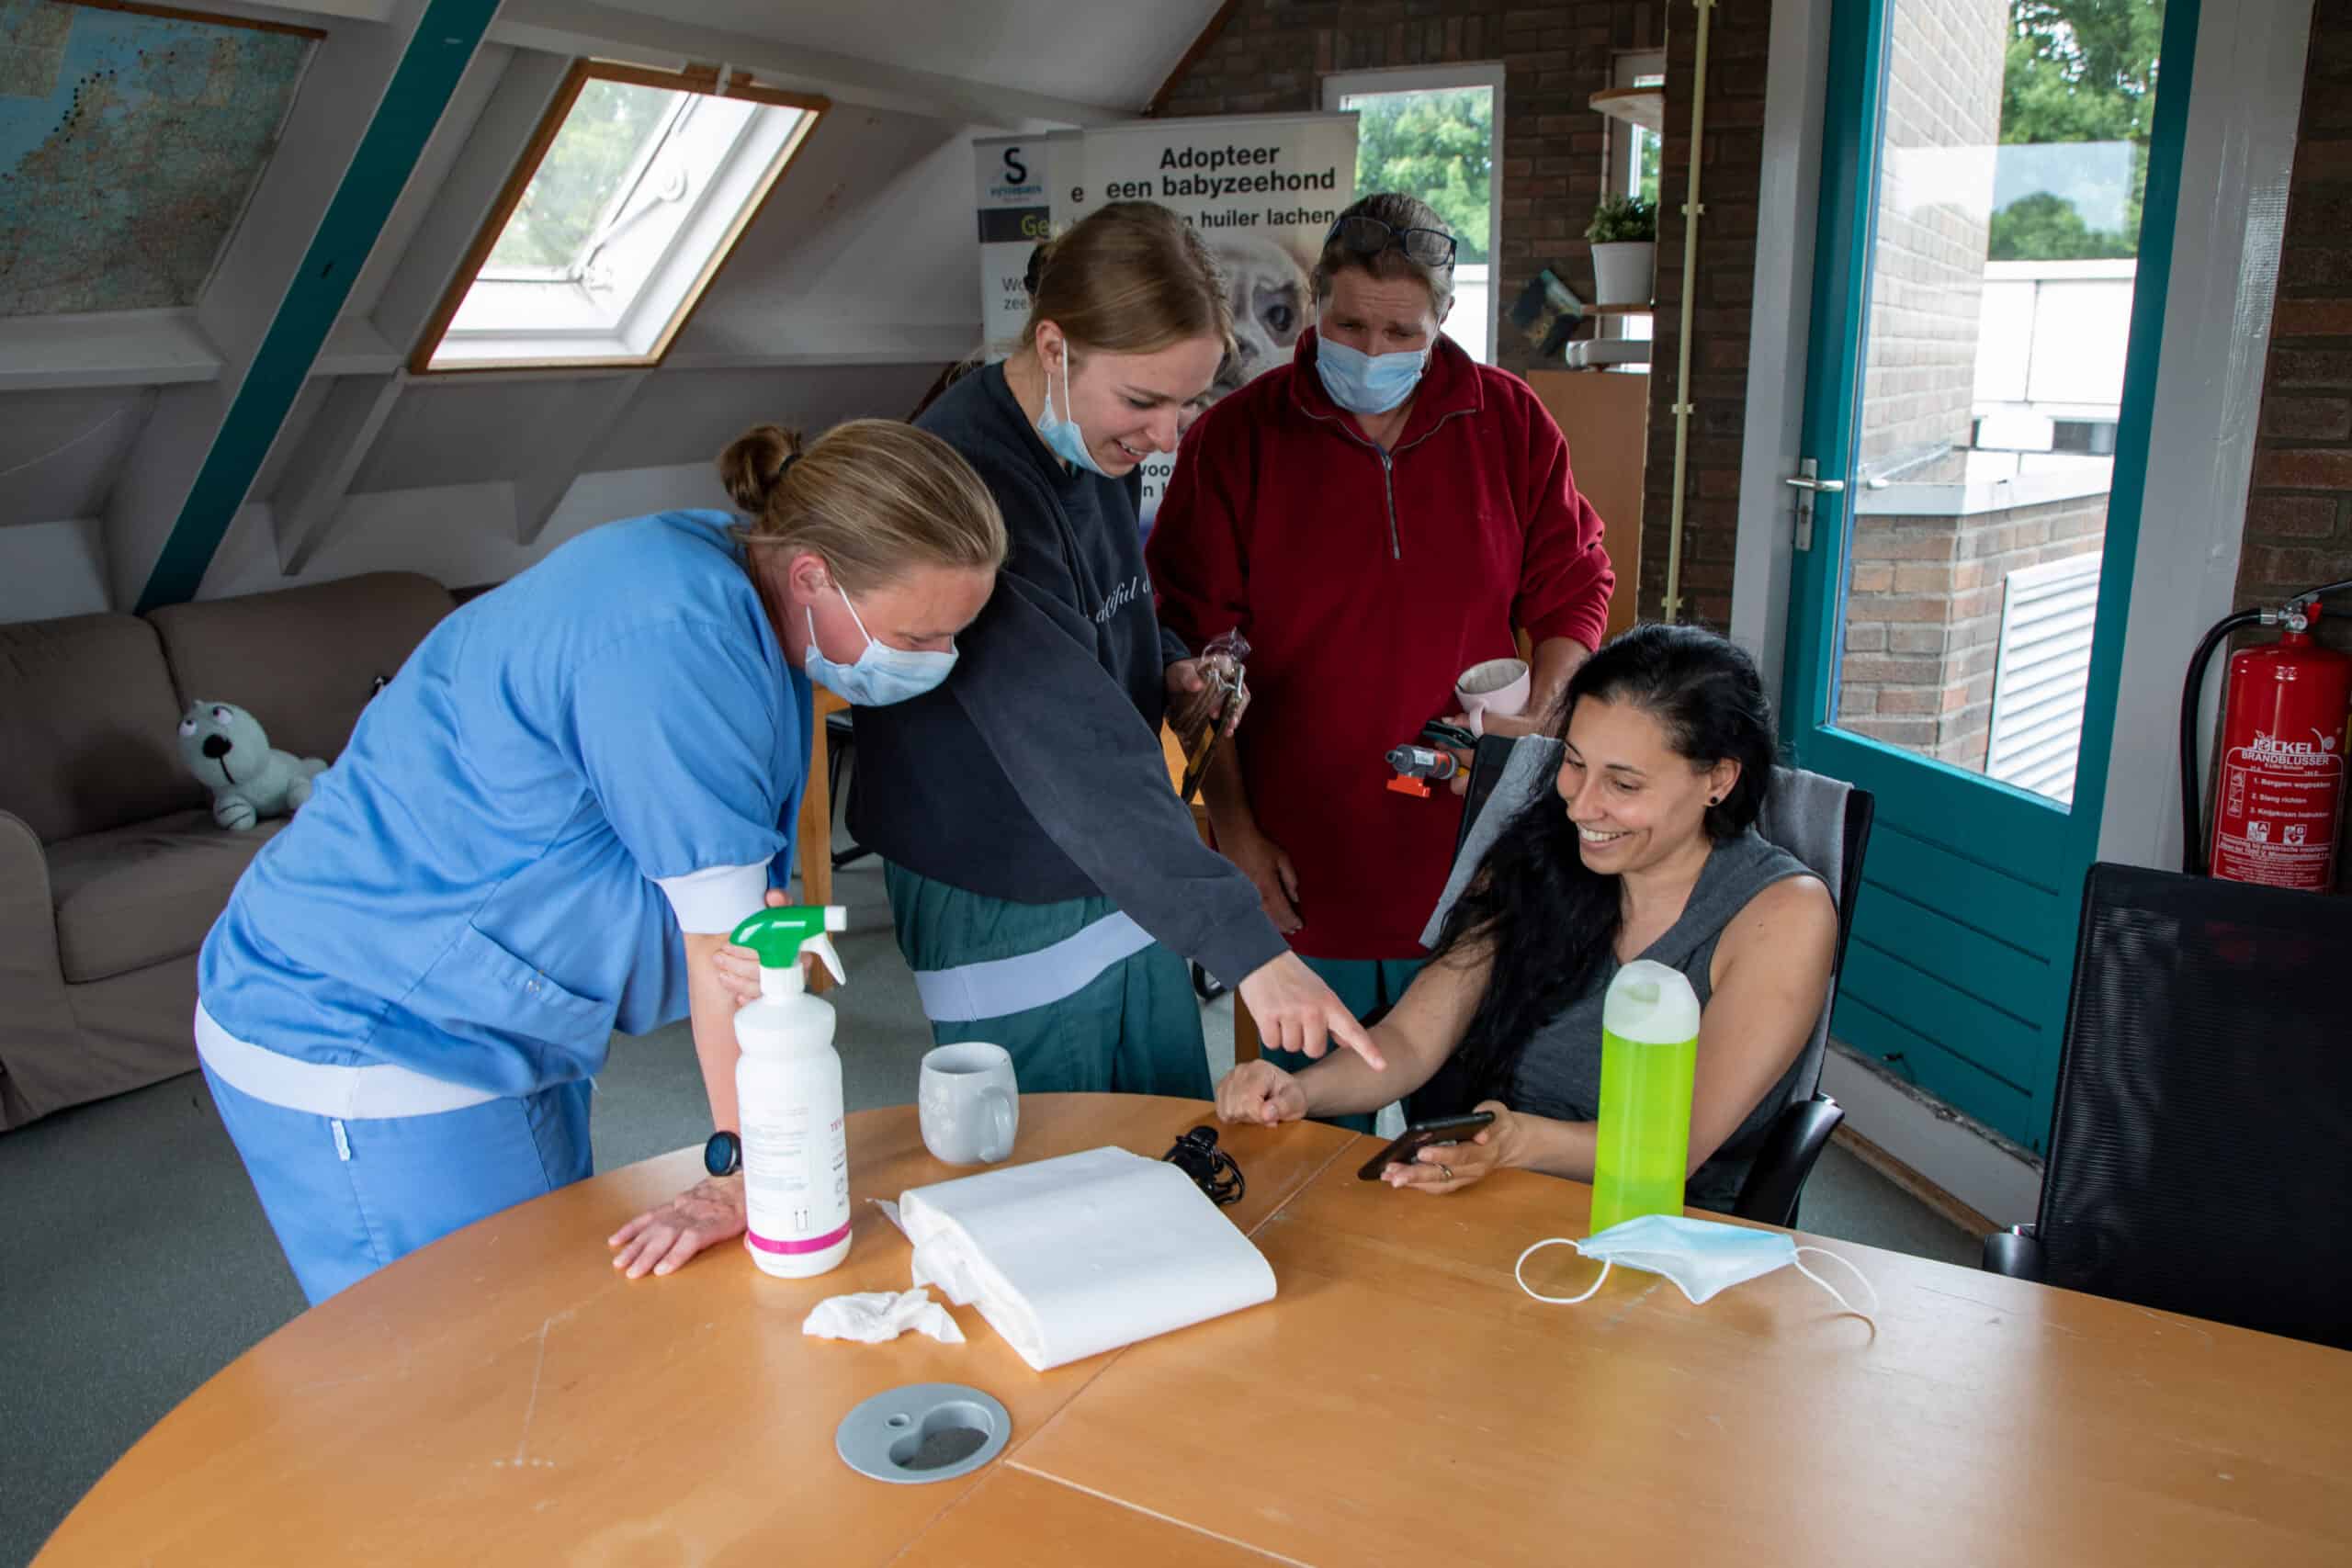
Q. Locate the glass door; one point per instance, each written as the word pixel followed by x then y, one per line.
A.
pixel 1998 188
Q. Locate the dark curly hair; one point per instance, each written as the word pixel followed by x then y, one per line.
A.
pixel 1548 920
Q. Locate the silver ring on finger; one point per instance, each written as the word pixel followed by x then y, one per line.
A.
pixel 1446 1172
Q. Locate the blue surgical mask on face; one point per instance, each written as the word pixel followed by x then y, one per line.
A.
pixel 882 674
pixel 1368 383
pixel 1702 1257
pixel 1062 436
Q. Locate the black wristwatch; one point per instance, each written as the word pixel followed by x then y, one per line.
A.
pixel 723 1155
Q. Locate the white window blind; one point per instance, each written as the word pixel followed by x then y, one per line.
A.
pixel 2042 673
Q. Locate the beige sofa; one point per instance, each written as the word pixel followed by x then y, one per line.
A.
pixel 110 869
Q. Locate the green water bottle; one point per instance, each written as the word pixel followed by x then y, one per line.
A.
pixel 1650 1051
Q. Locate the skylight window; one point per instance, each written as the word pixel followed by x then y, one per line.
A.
pixel 635 189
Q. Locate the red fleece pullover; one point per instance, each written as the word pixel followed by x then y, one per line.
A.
pixel 1366 583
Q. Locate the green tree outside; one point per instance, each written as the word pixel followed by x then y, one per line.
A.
pixel 1438 146
pixel 2077 70
pixel 580 174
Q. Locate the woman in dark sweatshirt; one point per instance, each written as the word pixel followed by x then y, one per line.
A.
pixel 1046 884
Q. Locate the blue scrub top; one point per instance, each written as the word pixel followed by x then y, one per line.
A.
pixel 469 891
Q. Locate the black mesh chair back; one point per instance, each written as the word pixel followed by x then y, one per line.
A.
pixel 2201 1160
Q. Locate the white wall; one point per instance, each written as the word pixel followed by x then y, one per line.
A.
pixel 48 570
pixel 461 536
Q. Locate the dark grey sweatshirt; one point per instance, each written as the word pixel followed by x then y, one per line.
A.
pixel 1035 774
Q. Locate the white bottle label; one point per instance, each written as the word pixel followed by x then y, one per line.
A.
pixel 795 1176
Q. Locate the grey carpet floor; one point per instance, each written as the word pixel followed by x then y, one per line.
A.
pixel 135 1263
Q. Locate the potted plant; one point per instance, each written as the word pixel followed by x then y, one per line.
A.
pixel 1624 232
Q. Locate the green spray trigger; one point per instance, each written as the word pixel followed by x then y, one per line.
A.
pixel 779 935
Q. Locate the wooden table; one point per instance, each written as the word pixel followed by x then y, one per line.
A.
pixel 502 1396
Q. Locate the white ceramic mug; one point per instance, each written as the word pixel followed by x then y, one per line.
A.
pixel 1499 686
pixel 969 1104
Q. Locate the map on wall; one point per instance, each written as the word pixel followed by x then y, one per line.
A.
pixel 129 145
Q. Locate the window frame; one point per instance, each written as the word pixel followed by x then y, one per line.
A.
pixel 1339 84
pixel 1623 170
pixel 700 80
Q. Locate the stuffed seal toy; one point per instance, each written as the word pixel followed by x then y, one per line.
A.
pixel 225 747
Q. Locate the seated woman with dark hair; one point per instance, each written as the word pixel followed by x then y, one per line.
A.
pixel 1645 847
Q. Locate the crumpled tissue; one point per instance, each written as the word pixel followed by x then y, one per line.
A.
pixel 876 1317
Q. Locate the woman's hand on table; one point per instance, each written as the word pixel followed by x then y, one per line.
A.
pixel 1269 869
pixel 660 1241
pixel 1443 1169
pixel 1261 1094
pixel 1296 1011
pixel 739 967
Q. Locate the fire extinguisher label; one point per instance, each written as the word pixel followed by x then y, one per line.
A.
pixel 2277 811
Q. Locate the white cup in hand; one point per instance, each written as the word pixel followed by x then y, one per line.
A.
pixel 968 1103
pixel 1499 686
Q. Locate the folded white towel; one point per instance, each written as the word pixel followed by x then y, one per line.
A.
pixel 1071 1257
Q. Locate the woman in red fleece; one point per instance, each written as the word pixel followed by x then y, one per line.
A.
pixel 1377 516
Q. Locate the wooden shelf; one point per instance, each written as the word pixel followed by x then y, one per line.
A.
pixel 1621 310
pixel 1645 106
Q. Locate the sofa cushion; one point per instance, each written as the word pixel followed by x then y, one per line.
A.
pixel 87 726
pixel 145 894
pixel 302 660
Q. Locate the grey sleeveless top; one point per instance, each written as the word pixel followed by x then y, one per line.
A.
pixel 1559 1073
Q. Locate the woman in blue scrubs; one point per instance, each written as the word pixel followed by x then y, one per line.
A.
pixel 543 830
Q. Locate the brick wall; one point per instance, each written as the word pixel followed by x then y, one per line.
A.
pixel 2298 515
pixel 1271 57
pixel 1923 619
pixel 1730 163
pixel 1943 95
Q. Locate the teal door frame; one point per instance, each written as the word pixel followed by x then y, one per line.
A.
pixel 1965 935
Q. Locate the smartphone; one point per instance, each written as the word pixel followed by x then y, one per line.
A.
pixel 1421 1135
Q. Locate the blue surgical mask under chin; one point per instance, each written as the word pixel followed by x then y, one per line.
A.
pixel 1368 383
pixel 1062 436
pixel 882 674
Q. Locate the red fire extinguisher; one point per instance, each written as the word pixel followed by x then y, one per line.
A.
pixel 2279 800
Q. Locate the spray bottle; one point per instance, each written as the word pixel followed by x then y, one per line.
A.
pixel 1650 1056
pixel 788 1098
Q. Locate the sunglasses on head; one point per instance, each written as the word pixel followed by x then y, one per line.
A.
pixel 1370 236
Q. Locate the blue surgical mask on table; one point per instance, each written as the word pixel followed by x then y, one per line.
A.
pixel 1368 383
pixel 1702 1257
pixel 882 674
pixel 1062 436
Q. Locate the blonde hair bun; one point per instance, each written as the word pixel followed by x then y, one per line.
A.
pixel 872 497
pixel 754 463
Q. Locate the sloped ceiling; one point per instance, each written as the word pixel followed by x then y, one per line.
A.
pixel 1091 50
pixel 475 432
pixel 845 298
pixel 59 451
